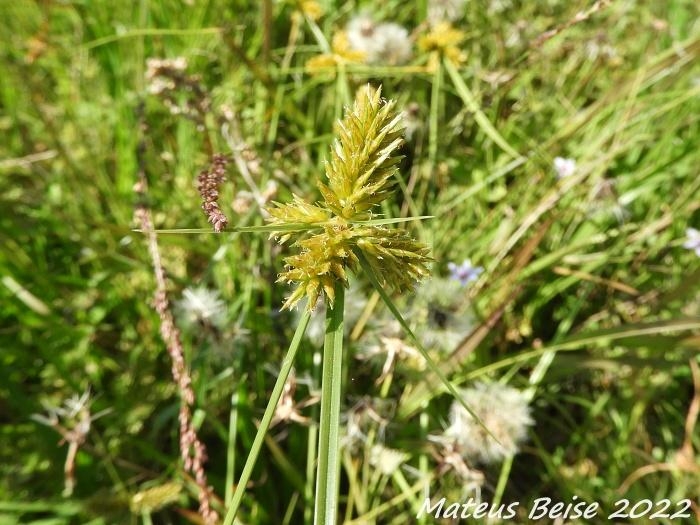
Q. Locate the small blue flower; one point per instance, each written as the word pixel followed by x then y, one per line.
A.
pixel 465 272
pixel 693 241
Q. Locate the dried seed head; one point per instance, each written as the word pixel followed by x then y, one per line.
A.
pixel 208 182
pixel 445 11
pixel 380 44
pixel 202 306
pixel 506 413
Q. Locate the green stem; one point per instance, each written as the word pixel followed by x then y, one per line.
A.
pixel 310 478
pixel 266 419
pixel 432 365
pixel 312 445
pixel 231 446
pixel 146 518
pixel 502 481
pixel 328 478
pixel 434 116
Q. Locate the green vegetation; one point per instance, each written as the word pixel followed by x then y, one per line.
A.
pixel 550 161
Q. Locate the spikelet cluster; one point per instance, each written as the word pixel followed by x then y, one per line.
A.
pixel 360 175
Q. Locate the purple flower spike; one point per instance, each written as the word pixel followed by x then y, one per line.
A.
pixel 465 272
pixel 693 241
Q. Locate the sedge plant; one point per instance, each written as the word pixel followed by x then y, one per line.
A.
pixel 338 234
pixel 334 236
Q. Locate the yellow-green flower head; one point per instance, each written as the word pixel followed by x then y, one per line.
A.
pixel 444 39
pixel 311 8
pixel 360 174
pixel 341 53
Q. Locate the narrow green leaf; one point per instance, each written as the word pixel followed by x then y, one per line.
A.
pixel 431 364
pixel 287 227
pixel 473 106
pixel 267 418
pixel 595 337
pixel 380 222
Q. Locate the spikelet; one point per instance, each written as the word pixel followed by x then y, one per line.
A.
pixel 360 175
pixel 321 262
pixel 362 166
pixel 298 211
pixel 394 256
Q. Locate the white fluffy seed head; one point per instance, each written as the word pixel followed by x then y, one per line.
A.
pixel 382 44
pixel 202 305
pixel 505 412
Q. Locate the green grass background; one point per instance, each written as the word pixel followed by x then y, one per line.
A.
pixel 600 276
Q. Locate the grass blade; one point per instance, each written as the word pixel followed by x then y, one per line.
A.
pixel 473 106
pixel 267 418
pixel 429 360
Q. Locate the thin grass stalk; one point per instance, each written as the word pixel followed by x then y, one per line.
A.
pixel 146 518
pixel 294 34
pixel 502 481
pixel 415 500
pixel 311 448
pixel 432 365
pixel 434 114
pixel 231 446
pixel 433 125
pixel 423 465
pixel 328 470
pixel 472 105
pixel 342 91
pixel 353 492
pixel 267 418
pixel 312 445
pixel 392 504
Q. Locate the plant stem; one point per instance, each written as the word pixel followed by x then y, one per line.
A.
pixel 231 446
pixel 146 518
pixel 502 481
pixel 328 478
pixel 434 115
pixel 267 418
